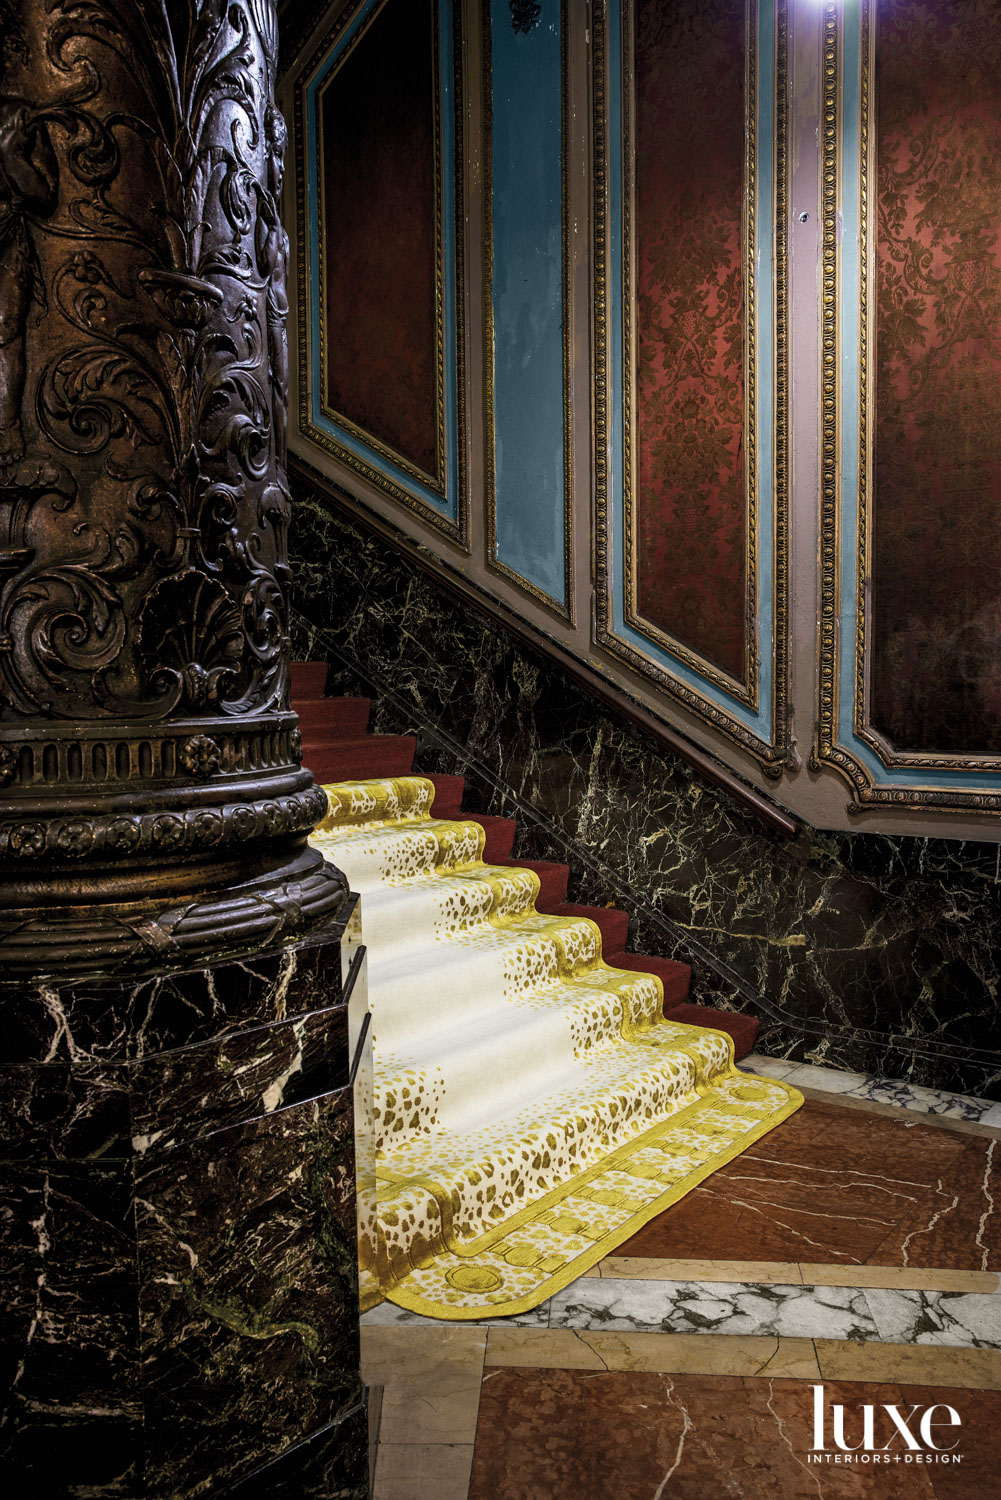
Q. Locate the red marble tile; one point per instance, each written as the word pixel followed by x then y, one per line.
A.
pixel 837 1185
pixel 958 1224
pixel 581 1435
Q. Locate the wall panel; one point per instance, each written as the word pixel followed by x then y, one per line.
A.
pixel 690 297
pixel 689 577
pixel 910 647
pixel 380 251
pixel 528 492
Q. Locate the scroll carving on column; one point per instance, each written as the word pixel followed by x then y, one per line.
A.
pixel 143 401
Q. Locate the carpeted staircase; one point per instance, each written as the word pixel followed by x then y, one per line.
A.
pixel 532 1103
pixel 338 747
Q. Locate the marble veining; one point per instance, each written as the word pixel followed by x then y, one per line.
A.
pixel 895 1091
pixel 871 953
pixel 721 1308
pixel 970 1320
pixel 178 1237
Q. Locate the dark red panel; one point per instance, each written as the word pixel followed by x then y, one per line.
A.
pixel 691 506
pixel 378 137
pixel 937 453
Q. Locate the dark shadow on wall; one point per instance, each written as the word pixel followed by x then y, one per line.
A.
pixel 862 951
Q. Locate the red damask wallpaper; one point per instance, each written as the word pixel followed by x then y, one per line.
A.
pixel 379 224
pixel 936 573
pixel 690 484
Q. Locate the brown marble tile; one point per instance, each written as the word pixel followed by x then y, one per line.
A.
pixel 979 1474
pixel 958 1222
pixel 841 1186
pixel 581 1435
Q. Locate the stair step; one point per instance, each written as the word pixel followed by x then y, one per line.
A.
pixel 448 792
pixel 500 834
pixel 364 759
pixel 345 718
pixel 742 1028
pixel 309 679
pixel 553 878
pixel 674 976
pixel 614 925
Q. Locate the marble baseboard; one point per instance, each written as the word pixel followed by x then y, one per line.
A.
pixel 178 1235
pixel 324 1467
pixel 877 1089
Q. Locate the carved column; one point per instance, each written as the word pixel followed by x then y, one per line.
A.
pixel 153 808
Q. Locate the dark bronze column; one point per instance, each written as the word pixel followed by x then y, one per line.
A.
pixel 153 808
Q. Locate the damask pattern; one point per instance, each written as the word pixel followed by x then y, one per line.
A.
pixel 936 560
pixel 691 568
pixel 380 252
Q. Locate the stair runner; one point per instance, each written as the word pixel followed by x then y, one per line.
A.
pixel 533 1105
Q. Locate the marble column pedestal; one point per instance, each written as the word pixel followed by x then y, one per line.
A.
pixel 178 1242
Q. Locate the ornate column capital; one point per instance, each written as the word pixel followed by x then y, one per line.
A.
pixel 153 808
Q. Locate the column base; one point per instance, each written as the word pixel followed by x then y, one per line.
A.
pixel 180 1293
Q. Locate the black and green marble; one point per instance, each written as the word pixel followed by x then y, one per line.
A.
pixel 868 952
pixel 177 1212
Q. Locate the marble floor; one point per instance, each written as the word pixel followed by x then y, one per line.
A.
pixel 854 1252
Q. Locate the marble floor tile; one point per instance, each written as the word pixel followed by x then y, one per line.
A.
pixel 388 1315
pixel 978 1475
pixel 646 1268
pixel 665 1353
pixel 957 1319
pixel 920 1364
pixel 992 1116
pixel 724 1308
pixel 769 1067
pixel 914 1097
pixel 422 1471
pixel 829 1079
pixel 542 1349
pixel 580 1435
pixel 924 1279
pixel 400 1354
pixel 833 1185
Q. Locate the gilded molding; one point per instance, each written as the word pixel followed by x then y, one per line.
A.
pixel 773 754
pixel 745 691
pixel 866 793
pixel 437 483
pixel 564 608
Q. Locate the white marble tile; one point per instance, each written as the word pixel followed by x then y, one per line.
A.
pixel 927 1101
pixel 388 1315
pixel 829 1079
pixel 770 1067
pixel 970 1320
pixel 992 1117
pixel 720 1308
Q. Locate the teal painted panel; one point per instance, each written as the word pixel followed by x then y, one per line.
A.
pixel 527 293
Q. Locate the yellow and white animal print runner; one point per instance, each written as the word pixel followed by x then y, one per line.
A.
pixel 532 1106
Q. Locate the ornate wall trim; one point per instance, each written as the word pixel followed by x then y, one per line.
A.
pixel 439 498
pixel 563 607
pixel 753 714
pixel 878 774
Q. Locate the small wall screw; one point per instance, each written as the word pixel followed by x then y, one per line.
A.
pixel 803 218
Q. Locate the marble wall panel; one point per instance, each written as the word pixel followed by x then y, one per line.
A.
pixel 178 1240
pixel 248 1262
pixel 868 951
